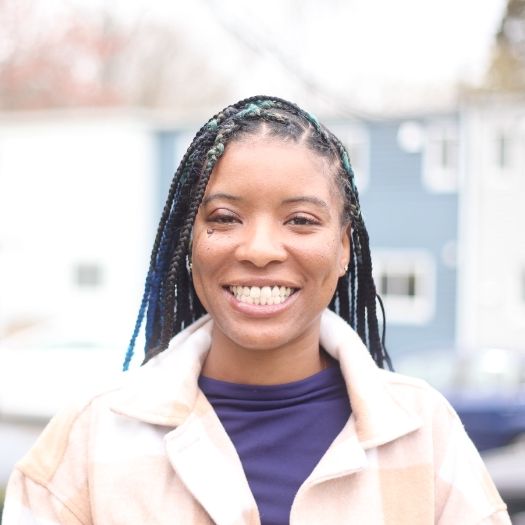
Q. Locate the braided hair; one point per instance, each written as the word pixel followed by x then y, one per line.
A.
pixel 170 303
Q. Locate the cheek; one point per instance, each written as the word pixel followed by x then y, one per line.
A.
pixel 209 254
pixel 322 258
pixel 209 250
pixel 200 259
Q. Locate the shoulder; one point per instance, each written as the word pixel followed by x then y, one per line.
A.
pixel 161 393
pixel 461 481
pixel 408 385
pixel 68 431
pixel 437 421
pixel 418 396
pixel 440 427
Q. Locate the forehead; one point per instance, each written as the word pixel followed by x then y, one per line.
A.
pixel 266 164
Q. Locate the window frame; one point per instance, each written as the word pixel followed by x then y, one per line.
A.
pixel 418 265
pixel 437 177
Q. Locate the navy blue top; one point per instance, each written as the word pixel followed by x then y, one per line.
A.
pixel 280 432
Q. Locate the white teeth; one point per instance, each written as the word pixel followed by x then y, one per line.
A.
pixel 266 291
pixel 257 295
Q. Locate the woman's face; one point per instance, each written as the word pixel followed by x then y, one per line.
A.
pixel 268 243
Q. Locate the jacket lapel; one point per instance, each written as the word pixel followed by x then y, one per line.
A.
pixel 344 457
pixel 206 461
pixel 165 392
pixel 379 416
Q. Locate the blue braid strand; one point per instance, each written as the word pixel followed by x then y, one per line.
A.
pixel 138 324
pixel 313 120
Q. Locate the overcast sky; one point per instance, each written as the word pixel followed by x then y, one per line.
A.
pixel 374 53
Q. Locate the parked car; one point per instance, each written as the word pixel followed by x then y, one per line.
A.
pixel 486 387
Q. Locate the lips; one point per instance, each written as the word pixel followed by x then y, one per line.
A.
pixel 261 295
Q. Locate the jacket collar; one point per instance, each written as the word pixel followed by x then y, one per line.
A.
pixel 165 390
pixel 379 411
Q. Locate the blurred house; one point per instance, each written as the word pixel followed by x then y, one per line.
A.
pixel 492 270
pixel 76 215
pixel 408 185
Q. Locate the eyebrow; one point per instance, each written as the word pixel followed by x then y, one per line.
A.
pixel 291 200
pixel 220 195
pixel 307 198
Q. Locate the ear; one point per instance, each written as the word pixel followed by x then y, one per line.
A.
pixel 344 260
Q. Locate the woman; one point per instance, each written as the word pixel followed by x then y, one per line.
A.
pixel 257 404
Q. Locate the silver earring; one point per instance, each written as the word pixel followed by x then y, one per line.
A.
pixel 346 268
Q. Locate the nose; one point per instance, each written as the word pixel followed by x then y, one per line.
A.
pixel 261 244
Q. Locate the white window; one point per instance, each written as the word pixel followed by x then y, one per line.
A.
pixel 355 139
pixel 504 150
pixel 88 275
pixel 410 136
pixel 441 157
pixel 504 145
pixel 405 280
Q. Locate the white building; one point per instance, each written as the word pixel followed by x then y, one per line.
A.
pixel 76 215
pixel 491 282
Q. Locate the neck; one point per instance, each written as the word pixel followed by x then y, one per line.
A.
pixel 294 361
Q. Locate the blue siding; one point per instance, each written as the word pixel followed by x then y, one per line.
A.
pixel 401 214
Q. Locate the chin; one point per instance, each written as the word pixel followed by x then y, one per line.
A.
pixel 259 341
pixel 260 338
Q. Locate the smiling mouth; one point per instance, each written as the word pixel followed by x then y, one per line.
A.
pixel 265 295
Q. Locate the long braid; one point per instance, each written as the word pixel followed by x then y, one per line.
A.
pixel 171 320
pixel 366 320
pixel 170 303
pixel 353 285
pixel 150 296
pixel 177 285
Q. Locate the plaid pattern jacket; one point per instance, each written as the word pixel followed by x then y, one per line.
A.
pixel 152 451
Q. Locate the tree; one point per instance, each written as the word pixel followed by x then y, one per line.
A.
pixel 507 69
pixel 91 58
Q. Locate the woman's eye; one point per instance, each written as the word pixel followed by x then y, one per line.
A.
pixel 301 220
pixel 223 218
